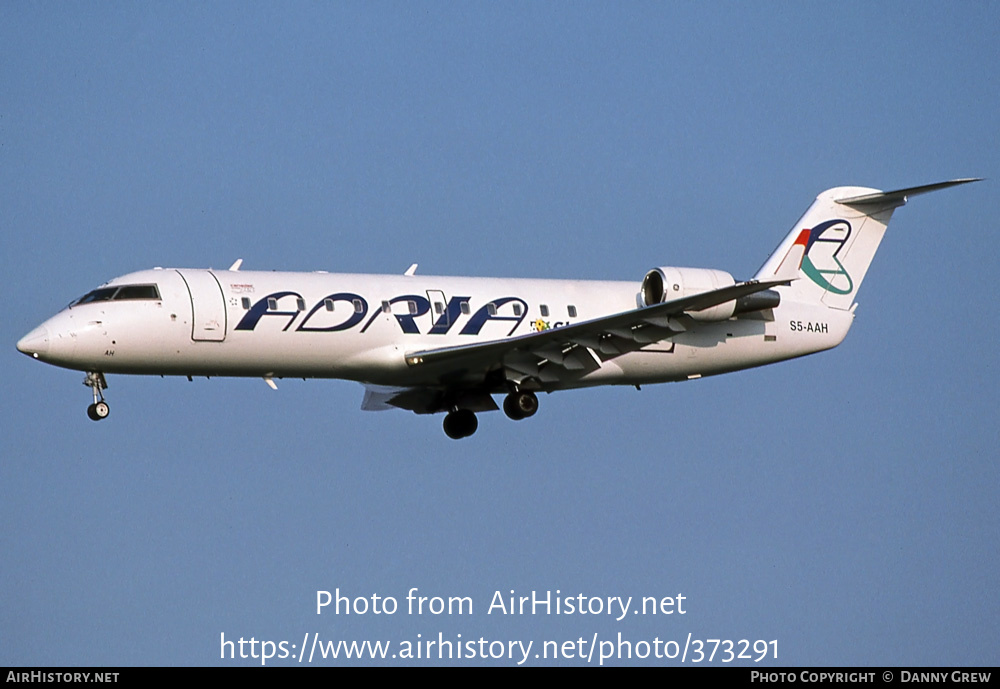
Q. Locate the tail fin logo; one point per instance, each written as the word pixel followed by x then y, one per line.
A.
pixel 821 263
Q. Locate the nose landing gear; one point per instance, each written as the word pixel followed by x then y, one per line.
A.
pixel 96 382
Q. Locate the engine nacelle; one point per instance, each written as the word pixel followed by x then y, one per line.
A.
pixel 668 283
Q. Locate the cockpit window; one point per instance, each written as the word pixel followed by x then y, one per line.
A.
pixel 103 294
pixel 137 292
pixel 117 293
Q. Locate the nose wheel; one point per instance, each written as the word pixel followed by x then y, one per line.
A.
pixel 99 409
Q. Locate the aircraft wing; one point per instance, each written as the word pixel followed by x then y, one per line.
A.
pixel 424 400
pixel 581 347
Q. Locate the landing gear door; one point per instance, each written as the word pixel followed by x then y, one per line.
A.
pixel 208 305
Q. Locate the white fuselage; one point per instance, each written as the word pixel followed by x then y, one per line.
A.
pixel 360 327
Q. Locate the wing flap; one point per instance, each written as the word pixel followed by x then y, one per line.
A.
pixel 423 400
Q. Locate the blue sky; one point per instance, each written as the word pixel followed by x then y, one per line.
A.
pixel 843 504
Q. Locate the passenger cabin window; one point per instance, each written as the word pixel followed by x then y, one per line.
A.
pixel 328 303
pixel 359 307
pixel 272 304
pixel 545 311
pixel 571 310
pixel 517 309
pixel 246 303
pixel 466 309
pixel 491 309
pixel 412 307
pixel 301 303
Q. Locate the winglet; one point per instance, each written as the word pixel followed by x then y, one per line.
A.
pixel 411 271
pixel 788 269
pixel 236 265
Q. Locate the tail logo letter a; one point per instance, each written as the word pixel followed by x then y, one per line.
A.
pixel 821 263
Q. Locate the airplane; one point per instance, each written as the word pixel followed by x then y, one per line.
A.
pixel 433 344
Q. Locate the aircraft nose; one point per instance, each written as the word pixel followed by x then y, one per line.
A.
pixel 34 343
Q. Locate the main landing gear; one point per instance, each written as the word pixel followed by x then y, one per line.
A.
pixel 461 423
pixel 520 404
pixel 99 409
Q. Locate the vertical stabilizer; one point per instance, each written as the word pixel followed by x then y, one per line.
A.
pixel 845 226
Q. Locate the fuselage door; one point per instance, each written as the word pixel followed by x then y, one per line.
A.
pixel 208 305
pixel 439 310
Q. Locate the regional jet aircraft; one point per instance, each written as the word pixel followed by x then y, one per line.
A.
pixel 449 344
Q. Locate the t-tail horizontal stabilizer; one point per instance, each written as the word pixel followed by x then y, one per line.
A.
pixel 898 197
